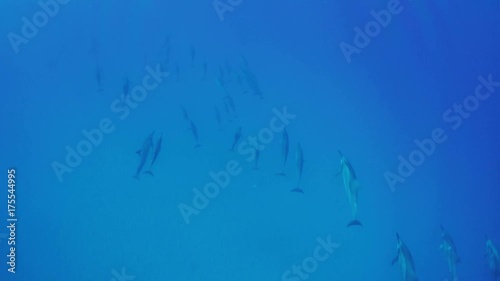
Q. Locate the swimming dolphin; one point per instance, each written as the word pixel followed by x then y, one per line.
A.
pixel 177 72
pixel 253 83
pixel 98 77
pixel 351 187
pixel 195 134
pixel 156 152
pixel 144 153
pixel 229 69
pixel 94 48
pixel 220 77
pixel 239 81
pixel 185 115
pixel 257 156
pixel 299 160
pixel 405 260
pixel 236 138
pixel 218 118
pixel 448 246
pixel 493 258
pixel 193 55
pixel 244 61
pixel 205 69
pixel 125 90
pixel 229 101
pixel 284 151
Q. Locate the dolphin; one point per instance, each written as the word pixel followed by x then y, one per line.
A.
pixel 177 72
pixel 239 81
pixel 405 260
pixel 299 159
pixel 284 151
pixel 229 69
pixel 227 110
pixel 144 153
pixel 448 246
pixel 94 48
pixel 253 83
pixel 193 55
pixel 193 129
pixel 205 69
pixel 257 156
pixel 237 137
pixel 221 79
pixel 185 115
pixel 244 61
pixel 493 258
pixel 126 88
pixel 98 77
pixel 156 152
pixel 229 100
pixel 218 118
pixel 351 187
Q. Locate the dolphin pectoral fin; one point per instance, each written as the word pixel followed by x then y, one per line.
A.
pixel 149 173
pixel 394 260
pixel 297 189
pixel 354 222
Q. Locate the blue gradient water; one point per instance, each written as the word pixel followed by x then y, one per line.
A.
pixel 100 220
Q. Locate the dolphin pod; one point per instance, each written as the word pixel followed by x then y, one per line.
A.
pixel 247 81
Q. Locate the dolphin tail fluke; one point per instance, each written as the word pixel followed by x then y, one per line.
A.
pixel 394 260
pixel 354 222
pixel 149 173
pixel 297 189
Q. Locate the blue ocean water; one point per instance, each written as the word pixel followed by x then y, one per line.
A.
pixel 407 93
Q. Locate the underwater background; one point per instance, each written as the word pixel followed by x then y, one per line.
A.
pixel 245 62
